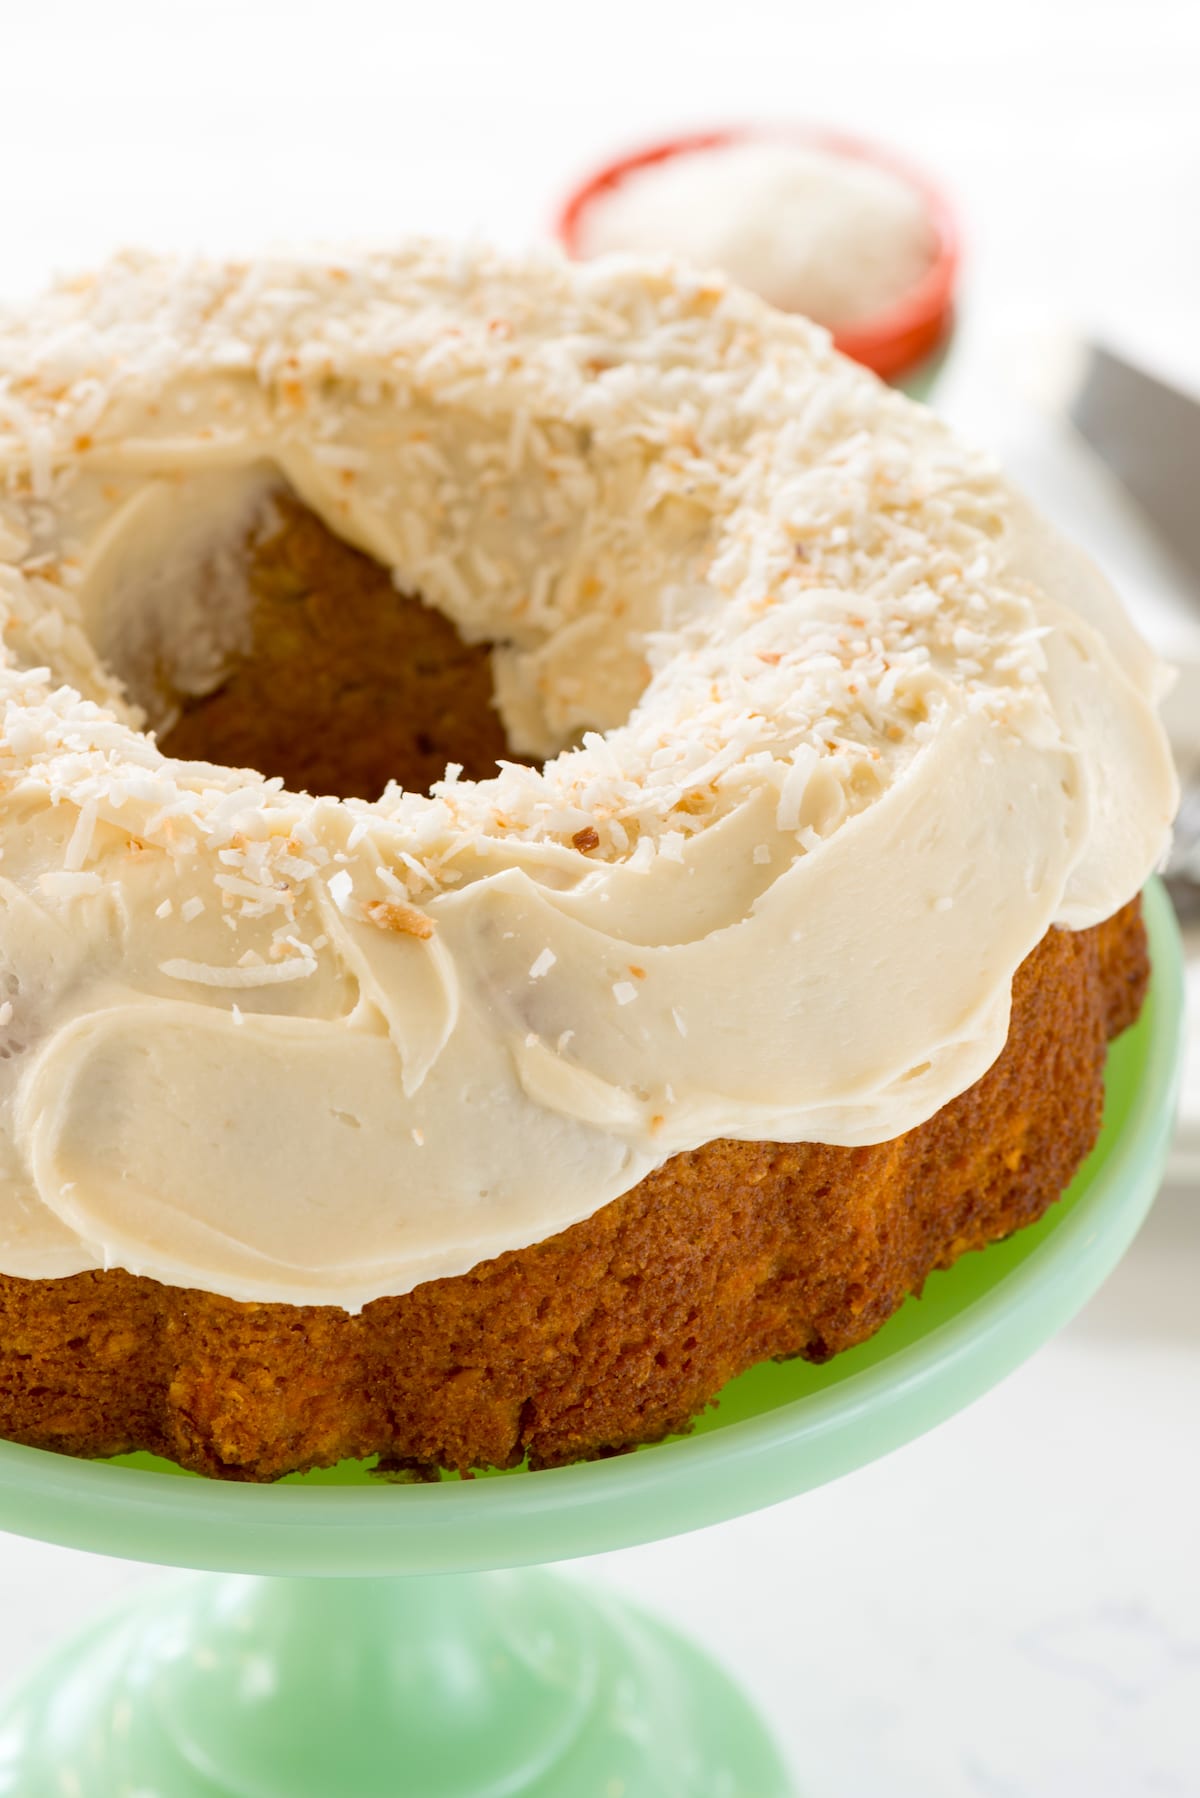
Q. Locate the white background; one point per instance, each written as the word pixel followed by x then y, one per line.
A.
pixel 1010 1608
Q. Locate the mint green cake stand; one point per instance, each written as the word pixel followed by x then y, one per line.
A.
pixel 385 1655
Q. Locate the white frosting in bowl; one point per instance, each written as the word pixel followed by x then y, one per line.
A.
pixel 836 730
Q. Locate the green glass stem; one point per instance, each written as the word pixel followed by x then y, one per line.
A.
pixel 458 1686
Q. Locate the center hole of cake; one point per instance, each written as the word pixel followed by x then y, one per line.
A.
pixel 334 679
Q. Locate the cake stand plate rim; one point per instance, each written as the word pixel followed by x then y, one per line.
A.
pixel 665 1490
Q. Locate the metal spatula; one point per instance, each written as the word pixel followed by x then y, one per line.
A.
pixel 1148 433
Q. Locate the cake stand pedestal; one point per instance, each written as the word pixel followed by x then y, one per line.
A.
pixel 302 1688
pixel 358 1641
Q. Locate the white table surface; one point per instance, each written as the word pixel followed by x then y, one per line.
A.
pixel 1009 1608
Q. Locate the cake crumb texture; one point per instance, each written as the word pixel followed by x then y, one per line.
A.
pixel 347 683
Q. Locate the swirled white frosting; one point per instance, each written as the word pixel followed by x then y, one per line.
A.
pixel 837 729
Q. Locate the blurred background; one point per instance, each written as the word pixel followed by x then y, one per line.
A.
pixel 1009 1608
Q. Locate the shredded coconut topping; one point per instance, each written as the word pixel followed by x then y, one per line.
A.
pixel 773 573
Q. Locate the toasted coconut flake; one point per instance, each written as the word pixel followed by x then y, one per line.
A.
pixel 393 914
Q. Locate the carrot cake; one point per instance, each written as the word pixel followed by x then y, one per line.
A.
pixel 754 954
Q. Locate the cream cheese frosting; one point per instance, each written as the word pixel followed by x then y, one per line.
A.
pixel 831 729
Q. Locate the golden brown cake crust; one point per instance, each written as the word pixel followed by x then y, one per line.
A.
pixel 618 1330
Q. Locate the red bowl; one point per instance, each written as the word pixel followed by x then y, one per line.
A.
pixel 891 341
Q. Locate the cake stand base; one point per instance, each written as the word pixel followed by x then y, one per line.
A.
pixel 509 1685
